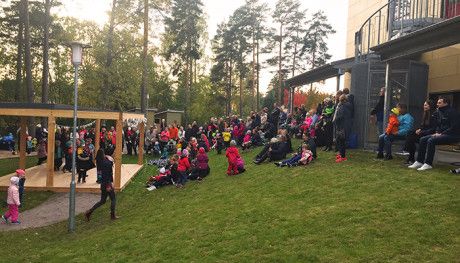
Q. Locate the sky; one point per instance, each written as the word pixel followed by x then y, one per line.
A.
pixel 219 10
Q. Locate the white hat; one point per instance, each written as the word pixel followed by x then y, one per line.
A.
pixel 162 170
pixel 14 180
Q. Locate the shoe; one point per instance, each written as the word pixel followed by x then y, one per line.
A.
pixel 151 188
pixel 4 219
pixel 341 160
pixel 379 155
pixel 88 215
pixel 283 165
pixel 402 153
pixel 425 167
pixel 113 216
pixel 415 165
pixel 454 171
pixel 17 222
pixel 256 161
pixel 278 164
pixel 408 162
pixel 388 157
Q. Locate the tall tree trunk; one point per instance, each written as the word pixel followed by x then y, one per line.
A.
pixel 28 62
pixel 46 67
pixel 27 56
pixel 18 92
pixel 241 96
pixel 258 77
pixel 195 70
pixel 230 88
pixel 280 79
pixel 46 47
pixel 107 85
pixel 144 56
pixel 253 69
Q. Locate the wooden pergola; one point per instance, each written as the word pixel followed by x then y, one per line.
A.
pixel 53 111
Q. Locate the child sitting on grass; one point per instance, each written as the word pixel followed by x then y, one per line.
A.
pixel 183 168
pixel 13 202
pixel 302 158
pixel 246 141
pixel 201 168
pixel 162 179
pixel 232 155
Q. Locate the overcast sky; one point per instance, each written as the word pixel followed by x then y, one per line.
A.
pixel 219 10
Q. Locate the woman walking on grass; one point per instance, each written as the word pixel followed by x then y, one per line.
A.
pixel 105 167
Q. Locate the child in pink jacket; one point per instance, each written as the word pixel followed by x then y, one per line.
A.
pixel 13 202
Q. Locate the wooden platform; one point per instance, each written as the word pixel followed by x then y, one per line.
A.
pixel 36 179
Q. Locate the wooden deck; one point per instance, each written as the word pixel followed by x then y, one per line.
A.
pixel 36 179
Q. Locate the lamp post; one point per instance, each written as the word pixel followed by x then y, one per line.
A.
pixel 77 55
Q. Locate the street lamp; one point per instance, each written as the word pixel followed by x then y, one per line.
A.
pixel 77 57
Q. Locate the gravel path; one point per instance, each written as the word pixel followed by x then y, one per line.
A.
pixel 53 210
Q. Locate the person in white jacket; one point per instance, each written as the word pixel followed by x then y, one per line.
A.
pixel 13 202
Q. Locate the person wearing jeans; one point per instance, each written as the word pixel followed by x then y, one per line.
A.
pixel 447 132
pixel 405 123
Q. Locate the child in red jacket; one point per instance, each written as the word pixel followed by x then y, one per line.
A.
pixel 183 168
pixel 232 157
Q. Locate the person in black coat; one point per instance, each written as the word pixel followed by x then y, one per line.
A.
pixel 447 131
pixel 427 127
pixel 105 167
pixel 274 151
pixel 342 121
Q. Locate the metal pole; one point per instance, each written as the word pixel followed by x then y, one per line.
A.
pixel 74 155
pixel 386 104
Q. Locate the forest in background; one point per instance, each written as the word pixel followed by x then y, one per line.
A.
pixel 160 48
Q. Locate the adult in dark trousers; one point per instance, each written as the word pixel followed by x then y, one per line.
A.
pixel 447 132
pixel 276 150
pixel 427 127
pixel 342 121
pixel 105 167
pixel 274 116
pixel 377 112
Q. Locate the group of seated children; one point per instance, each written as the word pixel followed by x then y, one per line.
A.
pixel 179 169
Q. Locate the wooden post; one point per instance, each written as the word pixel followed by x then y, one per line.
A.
pixel 140 157
pixel 97 139
pixel 118 152
pixel 50 151
pixel 22 143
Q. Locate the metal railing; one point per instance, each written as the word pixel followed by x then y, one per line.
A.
pixel 400 17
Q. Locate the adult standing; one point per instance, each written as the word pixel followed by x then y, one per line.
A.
pixel 447 131
pixel 105 166
pixel 275 116
pixel 377 112
pixel 342 121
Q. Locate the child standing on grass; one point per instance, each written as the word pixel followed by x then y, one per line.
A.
pixel 232 157
pixel 13 202
pixel 21 174
pixel 227 137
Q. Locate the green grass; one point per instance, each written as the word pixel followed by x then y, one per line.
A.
pixel 361 210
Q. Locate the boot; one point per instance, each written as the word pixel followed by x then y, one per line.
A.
pixel 88 215
pixel 113 216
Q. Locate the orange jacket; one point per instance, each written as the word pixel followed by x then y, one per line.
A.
pixel 174 133
pixel 393 124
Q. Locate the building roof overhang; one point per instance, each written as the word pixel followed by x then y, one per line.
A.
pixel 439 35
pixel 332 69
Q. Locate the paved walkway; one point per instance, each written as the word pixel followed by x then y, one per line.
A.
pixel 53 210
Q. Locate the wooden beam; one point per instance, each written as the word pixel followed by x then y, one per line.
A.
pixel 25 112
pixel 140 157
pixel 22 143
pixel 97 139
pixel 50 151
pixel 118 152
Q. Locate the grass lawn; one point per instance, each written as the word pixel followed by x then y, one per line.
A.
pixel 360 210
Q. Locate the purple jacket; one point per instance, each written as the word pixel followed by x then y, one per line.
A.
pixel 202 161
